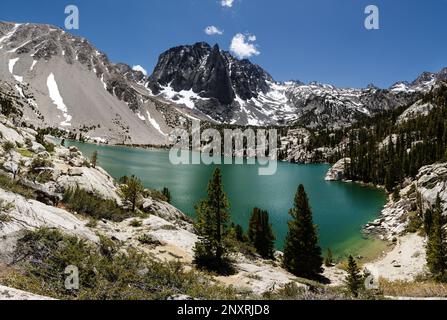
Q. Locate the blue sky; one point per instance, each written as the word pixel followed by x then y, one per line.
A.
pixel 307 40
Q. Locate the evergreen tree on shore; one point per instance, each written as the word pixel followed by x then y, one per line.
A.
pixel 436 250
pixel 165 191
pixel 328 260
pixel 132 190
pixel 302 254
pixel 260 233
pixel 353 279
pixel 94 159
pixel 212 219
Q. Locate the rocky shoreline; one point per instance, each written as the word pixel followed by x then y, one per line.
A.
pixel 400 221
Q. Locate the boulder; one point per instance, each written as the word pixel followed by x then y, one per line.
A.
pixel 73 149
pixel 147 205
pixel 12 294
pixel 30 214
pixel 170 213
pixel 44 155
pixel 62 153
pixel 73 172
pixel 76 162
pixel 10 134
pixel 93 180
pixel 11 166
pixel 431 181
pixel 37 147
pixel 338 170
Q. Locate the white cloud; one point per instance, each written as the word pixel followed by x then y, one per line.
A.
pixel 243 47
pixel 213 30
pixel 139 68
pixel 227 3
pixel 251 38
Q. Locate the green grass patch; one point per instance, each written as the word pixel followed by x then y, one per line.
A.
pixel 25 153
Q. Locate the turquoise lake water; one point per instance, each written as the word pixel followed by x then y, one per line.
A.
pixel 340 209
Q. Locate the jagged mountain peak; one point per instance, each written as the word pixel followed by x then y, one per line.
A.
pixel 209 72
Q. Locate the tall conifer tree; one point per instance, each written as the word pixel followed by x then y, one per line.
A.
pixel 302 254
pixel 260 233
pixel 436 251
pixel 212 219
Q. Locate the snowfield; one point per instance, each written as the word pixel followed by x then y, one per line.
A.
pixel 55 95
pixel 154 123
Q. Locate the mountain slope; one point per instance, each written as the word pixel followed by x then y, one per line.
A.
pixel 64 81
pixel 75 87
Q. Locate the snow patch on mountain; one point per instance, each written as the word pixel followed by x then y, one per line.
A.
pixel 11 64
pixel 33 65
pixel 19 90
pixel 184 97
pixel 55 95
pixel 141 117
pixel 154 123
pixel 10 34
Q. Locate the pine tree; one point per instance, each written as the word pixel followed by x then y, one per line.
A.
pixel 212 218
pixel 94 159
pixel 328 260
pixel 436 251
pixel 132 190
pixel 167 194
pixel 396 194
pixel 238 232
pixel 302 254
pixel 260 233
pixel 353 280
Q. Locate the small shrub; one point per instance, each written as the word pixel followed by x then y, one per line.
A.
pixel 8 146
pixel 148 240
pixel 38 163
pixel 28 143
pixel 5 218
pixel 15 187
pixel 40 170
pixel 135 223
pixel 168 227
pixel 5 207
pixel 156 195
pixel 49 147
pixel 415 223
pixel 93 223
pixel 94 206
pixel 167 194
